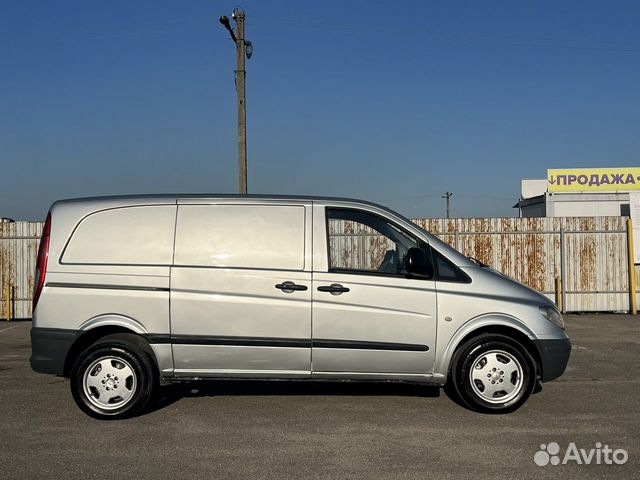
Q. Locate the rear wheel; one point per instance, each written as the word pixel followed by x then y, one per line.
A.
pixel 493 374
pixel 114 378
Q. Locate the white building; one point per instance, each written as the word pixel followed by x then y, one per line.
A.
pixel 580 193
pixel 537 201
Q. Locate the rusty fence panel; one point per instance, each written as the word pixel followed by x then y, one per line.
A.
pixel 596 264
pixel 18 253
pixel 529 250
pixel 526 249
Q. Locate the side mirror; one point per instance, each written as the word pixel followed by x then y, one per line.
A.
pixel 417 263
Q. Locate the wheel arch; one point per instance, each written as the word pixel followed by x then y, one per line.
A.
pixel 96 328
pixel 490 324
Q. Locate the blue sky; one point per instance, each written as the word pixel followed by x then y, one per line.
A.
pixel 394 102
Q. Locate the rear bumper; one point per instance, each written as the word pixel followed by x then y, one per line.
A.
pixel 555 355
pixel 49 349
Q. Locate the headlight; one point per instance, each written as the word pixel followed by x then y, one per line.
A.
pixel 552 314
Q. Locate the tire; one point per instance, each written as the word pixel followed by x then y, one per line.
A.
pixel 114 378
pixel 493 374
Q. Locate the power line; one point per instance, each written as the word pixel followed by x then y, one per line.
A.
pixel 358 29
pixel 489 197
pixel 506 40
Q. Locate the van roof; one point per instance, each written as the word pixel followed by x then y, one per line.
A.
pixel 170 197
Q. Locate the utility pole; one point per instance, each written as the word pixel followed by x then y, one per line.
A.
pixel 243 48
pixel 448 196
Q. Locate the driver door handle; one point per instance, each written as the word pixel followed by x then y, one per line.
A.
pixel 333 289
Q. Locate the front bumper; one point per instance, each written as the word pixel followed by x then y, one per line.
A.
pixel 49 349
pixel 555 355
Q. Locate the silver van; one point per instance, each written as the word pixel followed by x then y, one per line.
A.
pixel 136 290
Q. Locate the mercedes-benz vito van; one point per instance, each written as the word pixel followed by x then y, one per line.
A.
pixel 135 290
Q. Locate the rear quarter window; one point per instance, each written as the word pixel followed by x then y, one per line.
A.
pixel 124 236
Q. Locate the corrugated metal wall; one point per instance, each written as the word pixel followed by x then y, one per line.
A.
pixel 527 249
pixel 531 249
pixel 18 252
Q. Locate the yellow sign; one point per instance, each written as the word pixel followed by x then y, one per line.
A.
pixel 594 180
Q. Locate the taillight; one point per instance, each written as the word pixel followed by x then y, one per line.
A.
pixel 41 264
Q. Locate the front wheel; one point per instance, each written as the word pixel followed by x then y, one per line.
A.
pixel 493 374
pixel 114 378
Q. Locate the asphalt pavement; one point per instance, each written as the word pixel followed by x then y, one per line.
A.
pixel 298 430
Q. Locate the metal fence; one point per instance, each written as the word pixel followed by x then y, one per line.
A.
pixel 18 253
pixel 581 261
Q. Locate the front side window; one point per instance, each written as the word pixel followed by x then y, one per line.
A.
pixel 364 242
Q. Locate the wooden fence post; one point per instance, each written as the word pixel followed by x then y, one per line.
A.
pixel 7 301
pixel 633 300
pixel 558 285
pixel 563 273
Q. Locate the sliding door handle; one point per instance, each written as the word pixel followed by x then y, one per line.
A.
pixel 290 287
pixel 333 289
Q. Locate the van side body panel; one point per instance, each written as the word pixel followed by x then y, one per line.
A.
pixel 490 300
pixel 88 293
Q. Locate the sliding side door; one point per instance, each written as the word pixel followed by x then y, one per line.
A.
pixel 241 290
